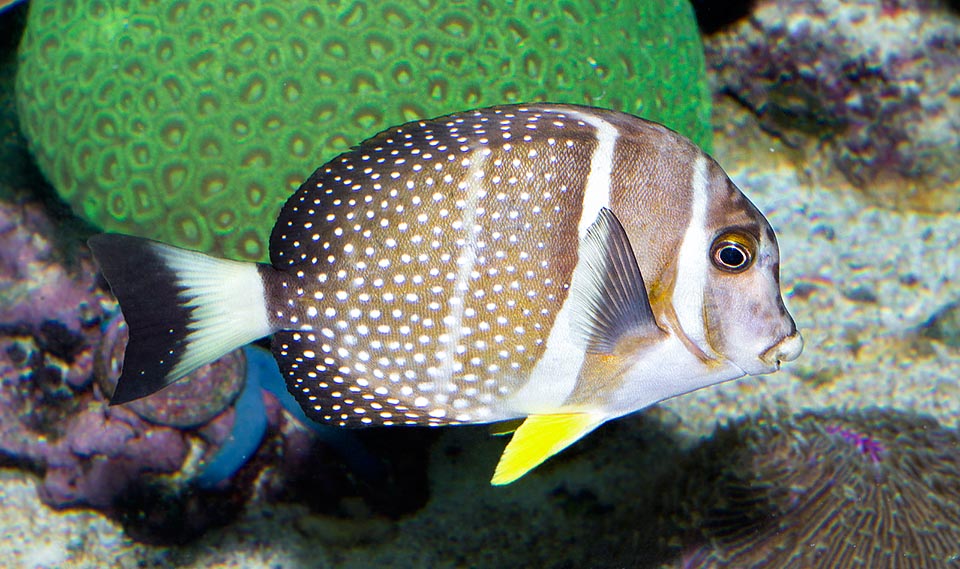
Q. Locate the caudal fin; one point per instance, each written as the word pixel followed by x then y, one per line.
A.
pixel 184 309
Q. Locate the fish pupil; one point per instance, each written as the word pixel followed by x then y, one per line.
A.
pixel 732 256
pixel 733 252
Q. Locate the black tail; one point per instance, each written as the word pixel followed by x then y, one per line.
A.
pixel 184 309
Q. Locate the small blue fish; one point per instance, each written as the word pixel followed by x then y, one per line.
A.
pixel 559 264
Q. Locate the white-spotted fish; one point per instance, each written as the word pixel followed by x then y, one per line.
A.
pixel 562 264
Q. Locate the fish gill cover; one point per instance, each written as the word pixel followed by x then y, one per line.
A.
pixel 191 122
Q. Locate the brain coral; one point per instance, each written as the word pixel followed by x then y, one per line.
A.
pixel 191 122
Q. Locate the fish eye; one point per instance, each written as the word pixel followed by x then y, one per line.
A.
pixel 733 252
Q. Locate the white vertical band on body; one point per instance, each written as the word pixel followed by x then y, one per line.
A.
pixel 554 377
pixel 692 261
pixel 228 302
pixel 596 193
pixel 473 188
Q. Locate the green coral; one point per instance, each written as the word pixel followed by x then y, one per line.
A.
pixel 191 122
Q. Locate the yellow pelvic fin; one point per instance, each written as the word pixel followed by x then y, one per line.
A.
pixel 539 438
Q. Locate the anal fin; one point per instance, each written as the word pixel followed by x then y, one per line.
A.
pixel 539 438
pixel 505 427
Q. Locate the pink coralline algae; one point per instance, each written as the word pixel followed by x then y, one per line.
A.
pixel 87 452
pixel 35 283
pixel 60 328
pixel 56 324
pixel 103 450
pixel 878 488
pixel 42 298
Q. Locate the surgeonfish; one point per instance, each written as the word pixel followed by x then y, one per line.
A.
pixel 560 264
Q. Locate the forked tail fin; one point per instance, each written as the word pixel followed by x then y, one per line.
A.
pixel 184 309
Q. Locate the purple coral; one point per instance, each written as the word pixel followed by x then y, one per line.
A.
pixel 57 307
pixel 87 451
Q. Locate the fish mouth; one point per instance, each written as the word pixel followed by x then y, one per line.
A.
pixel 786 350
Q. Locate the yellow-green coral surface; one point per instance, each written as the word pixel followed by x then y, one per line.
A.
pixel 192 121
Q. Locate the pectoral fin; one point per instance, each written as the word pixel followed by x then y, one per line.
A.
pixel 609 298
pixel 539 438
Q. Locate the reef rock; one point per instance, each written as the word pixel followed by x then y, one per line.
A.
pixel 871 85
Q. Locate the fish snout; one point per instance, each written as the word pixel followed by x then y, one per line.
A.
pixel 787 349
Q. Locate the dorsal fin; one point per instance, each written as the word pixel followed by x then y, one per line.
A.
pixel 609 297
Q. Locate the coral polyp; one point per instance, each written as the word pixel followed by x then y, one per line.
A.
pixel 878 488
